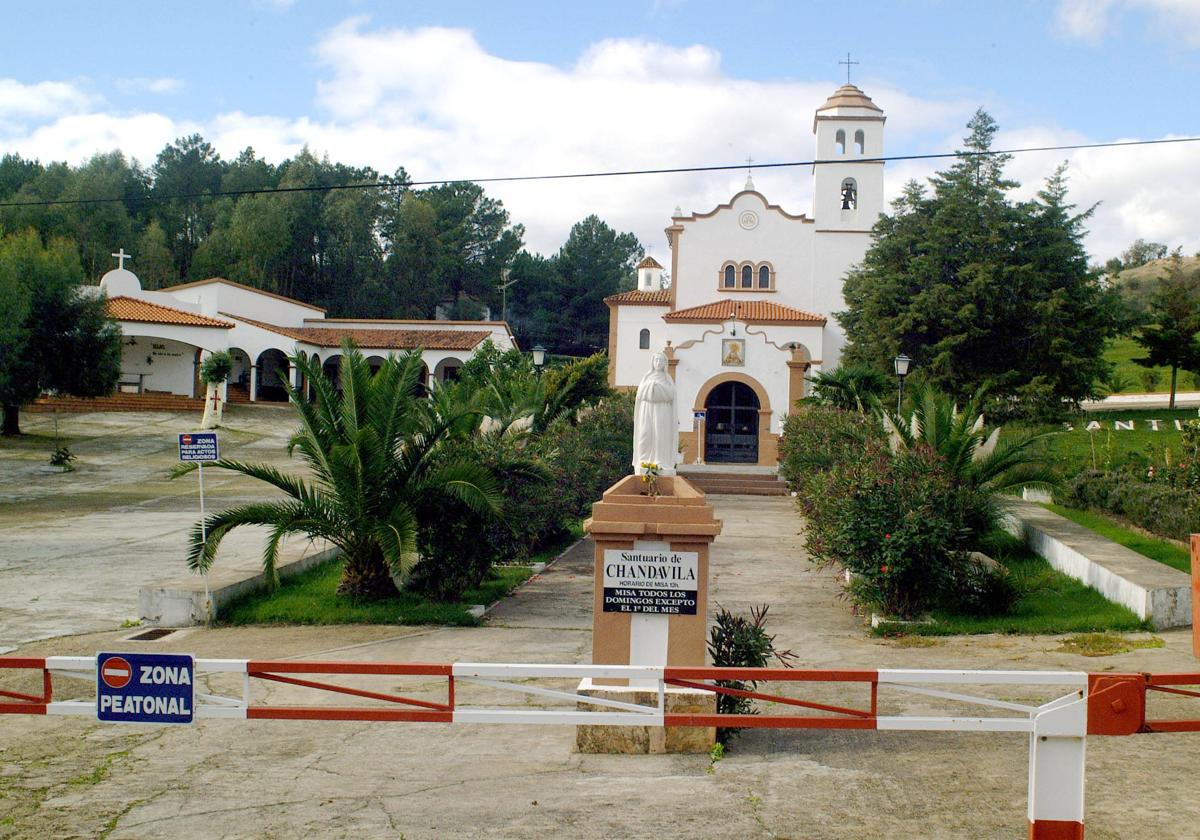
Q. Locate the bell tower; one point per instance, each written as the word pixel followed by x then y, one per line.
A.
pixel 847 184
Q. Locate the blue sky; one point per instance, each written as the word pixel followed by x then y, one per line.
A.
pixel 461 89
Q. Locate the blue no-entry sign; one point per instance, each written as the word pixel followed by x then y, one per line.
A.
pixel 145 687
pixel 198 446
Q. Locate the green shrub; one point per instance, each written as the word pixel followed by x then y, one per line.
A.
pixel 549 480
pixel 738 641
pixel 589 456
pixel 819 437
pixel 216 368
pixel 62 458
pixel 898 522
pixel 1158 506
pixel 983 590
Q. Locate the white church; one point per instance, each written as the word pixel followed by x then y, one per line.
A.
pixel 749 309
pixel 167 333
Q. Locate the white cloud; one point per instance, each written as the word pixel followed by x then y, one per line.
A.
pixel 1092 20
pixel 139 84
pixel 434 101
pixel 41 100
pixel 1086 20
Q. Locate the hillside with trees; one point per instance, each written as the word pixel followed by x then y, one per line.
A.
pixel 375 248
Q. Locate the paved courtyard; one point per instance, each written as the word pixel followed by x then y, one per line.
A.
pixel 76 778
pixel 75 547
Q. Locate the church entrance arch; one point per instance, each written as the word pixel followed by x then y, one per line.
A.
pixel 731 424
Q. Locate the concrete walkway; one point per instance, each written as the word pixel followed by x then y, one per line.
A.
pixel 225 779
pixel 1123 402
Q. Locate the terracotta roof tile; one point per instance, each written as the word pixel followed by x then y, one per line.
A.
pixel 649 262
pixel 659 297
pixel 377 339
pixel 124 308
pixel 749 311
pixel 849 96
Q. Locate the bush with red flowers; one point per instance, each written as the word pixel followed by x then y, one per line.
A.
pixel 899 522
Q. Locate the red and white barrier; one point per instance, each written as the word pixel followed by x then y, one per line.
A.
pixel 1080 705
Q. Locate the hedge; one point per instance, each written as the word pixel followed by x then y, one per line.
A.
pixel 1160 508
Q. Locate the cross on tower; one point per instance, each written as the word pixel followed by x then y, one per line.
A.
pixel 848 62
pixel 121 257
pixel 749 164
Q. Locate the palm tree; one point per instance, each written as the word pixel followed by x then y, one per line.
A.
pixel 850 387
pixel 979 459
pixel 373 451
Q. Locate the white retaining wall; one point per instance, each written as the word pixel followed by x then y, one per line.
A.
pixel 1155 592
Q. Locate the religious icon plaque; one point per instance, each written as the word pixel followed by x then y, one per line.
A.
pixel 733 352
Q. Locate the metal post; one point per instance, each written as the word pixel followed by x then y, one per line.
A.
pixel 204 539
pixel 1195 543
pixel 900 396
pixel 1057 763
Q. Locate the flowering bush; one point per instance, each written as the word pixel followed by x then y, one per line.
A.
pixel 900 523
pixel 819 437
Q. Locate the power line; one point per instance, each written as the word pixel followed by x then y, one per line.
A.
pixel 387 185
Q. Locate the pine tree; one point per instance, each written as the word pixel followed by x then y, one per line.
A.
pixel 982 290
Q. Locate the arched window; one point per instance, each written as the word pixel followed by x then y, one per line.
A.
pixel 840 140
pixel 849 194
pixel 764 277
pixel 747 277
pixel 730 276
pixel 644 340
pixel 860 141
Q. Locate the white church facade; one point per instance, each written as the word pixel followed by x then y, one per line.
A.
pixel 749 309
pixel 167 334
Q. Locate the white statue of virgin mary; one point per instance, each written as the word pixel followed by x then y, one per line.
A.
pixel 655 427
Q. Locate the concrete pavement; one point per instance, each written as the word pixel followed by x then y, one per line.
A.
pixel 76 547
pixel 224 779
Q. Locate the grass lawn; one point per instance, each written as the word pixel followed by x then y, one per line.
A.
pixel 1054 603
pixel 1164 552
pixel 311 597
pixel 1075 449
pixel 1122 352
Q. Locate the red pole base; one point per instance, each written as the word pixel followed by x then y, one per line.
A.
pixel 1055 830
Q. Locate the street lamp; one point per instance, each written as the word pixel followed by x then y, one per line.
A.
pixel 901 364
pixel 539 357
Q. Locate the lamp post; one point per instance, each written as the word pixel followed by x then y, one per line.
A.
pixel 901 364
pixel 539 358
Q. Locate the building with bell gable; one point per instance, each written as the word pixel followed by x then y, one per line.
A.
pixel 167 333
pixel 753 290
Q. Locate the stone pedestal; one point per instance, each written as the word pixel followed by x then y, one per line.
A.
pixel 677 523
pixel 648 740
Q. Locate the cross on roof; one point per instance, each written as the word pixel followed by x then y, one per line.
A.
pixel 121 257
pixel 749 163
pixel 848 62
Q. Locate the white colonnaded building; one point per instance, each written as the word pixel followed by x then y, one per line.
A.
pixel 167 334
pixel 749 310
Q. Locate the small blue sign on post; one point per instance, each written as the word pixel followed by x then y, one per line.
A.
pixel 145 687
pixel 199 446
pixel 698 415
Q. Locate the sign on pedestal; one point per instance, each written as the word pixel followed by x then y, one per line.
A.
pixel 660 582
